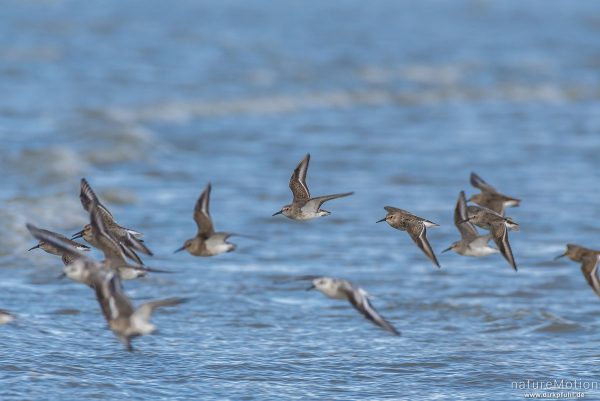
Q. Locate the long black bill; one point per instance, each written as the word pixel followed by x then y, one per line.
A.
pixel 379 221
pixel 34 247
pixel 312 287
pixel 447 249
pixel 78 234
pixel 179 249
pixel 279 212
pixel 560 256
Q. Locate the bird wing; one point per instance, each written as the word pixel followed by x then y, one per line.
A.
pixel 144 311
pixel 392 209
pixel 466 228
pixel 87 196
pixel 201 214
pixel 298 181
pixel 479 183
pixel 360 300
pixel 500 235
pixel 109 293
pixel 113 250
pixel 136 244
pixel 314 204
pixel 589 268
pixel 418 233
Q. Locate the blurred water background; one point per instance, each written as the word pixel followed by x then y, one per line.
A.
pixel 396 100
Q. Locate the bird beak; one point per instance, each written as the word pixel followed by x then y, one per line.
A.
pixel 180 249
pixel 560 256
pixel 63 275
pixel 78 234
pixel 379 221
pixel 34 247
pixel 465 220
pixel 279 212
pixel 447 249
pixel 312 287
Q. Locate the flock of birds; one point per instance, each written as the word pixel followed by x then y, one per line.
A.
pixel 121 246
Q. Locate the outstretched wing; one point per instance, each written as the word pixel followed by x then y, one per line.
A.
pixel 500 234
pixel 478 182
pixel 315 203
pixel 87 196
pixel 136 244
pixel 466 228
pixel 418 233
pixel 201 214
pixel 109 293
pixel 360 300
pixel 144 312
pixel 298 181
pixel 589 268
pixel 113 250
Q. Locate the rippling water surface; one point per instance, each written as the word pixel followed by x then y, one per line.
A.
pixel 396 100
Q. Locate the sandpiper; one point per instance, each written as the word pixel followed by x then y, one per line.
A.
pixel 471 243
pixel 81 267
pixel 128 237
pixel 5 317
pixel 90 236
pixel 498 226
pixel 342 289
pixel 124 322
pixel 303 207
pixel 77 264
pixel 67 257
pixel 207 242
pixel 114 251
pixel 415 226
pixel 489 197
pixel 589 263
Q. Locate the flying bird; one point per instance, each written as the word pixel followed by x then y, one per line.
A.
pixel 207 242
pixel 489 197
pixel 498 226
pixel 115 252
pixel 303 207
pixel 128 237
pixel 415 226
pixel 67 257
pixel 343 289
pixel 125 322
pixel 589 263
pixel 471 243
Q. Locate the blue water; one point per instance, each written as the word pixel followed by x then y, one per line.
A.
pixel 398 101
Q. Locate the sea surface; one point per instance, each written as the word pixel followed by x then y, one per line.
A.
pixel 398 101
